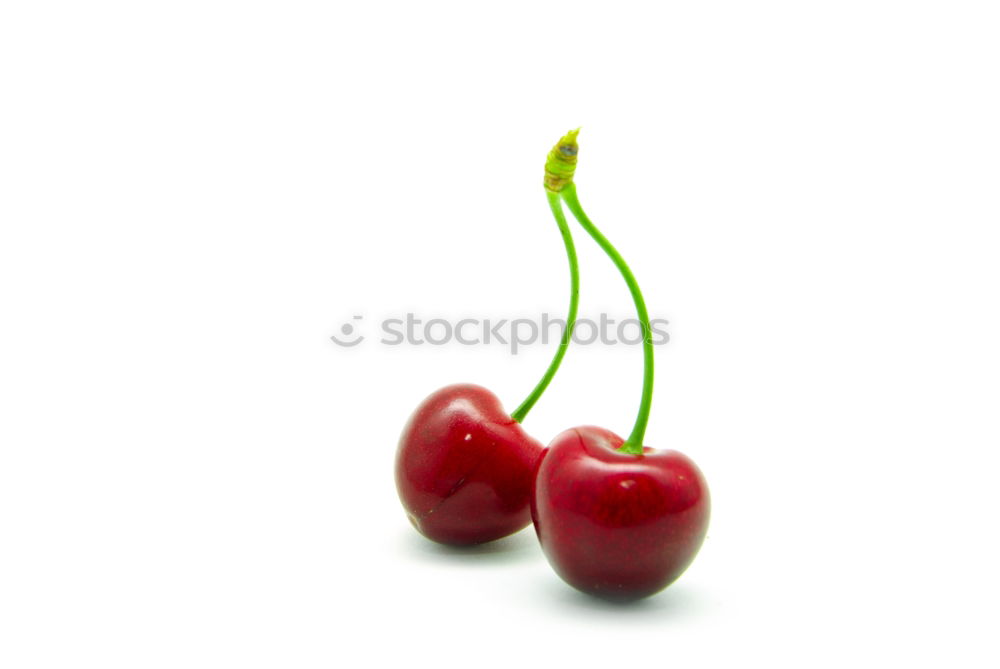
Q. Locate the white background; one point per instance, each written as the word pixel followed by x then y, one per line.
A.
pixel 195 195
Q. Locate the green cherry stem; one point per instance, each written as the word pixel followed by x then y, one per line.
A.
pixel 633 444
pixel 574 298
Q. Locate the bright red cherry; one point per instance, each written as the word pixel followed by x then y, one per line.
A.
pixel 464 467
pixel 613 524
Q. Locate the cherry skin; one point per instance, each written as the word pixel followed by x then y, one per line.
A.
pixel 616 525
pixel 464 468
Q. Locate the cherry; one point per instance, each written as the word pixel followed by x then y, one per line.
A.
pixel 615 519
pixel 613 524
pixel 464 467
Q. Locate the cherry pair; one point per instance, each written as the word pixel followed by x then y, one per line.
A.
pixel 614 518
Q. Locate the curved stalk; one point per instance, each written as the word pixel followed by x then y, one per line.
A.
pixel 574 298
pixel 633 444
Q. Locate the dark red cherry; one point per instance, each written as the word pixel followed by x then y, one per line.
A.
pixel 464 467
pixel 616 525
